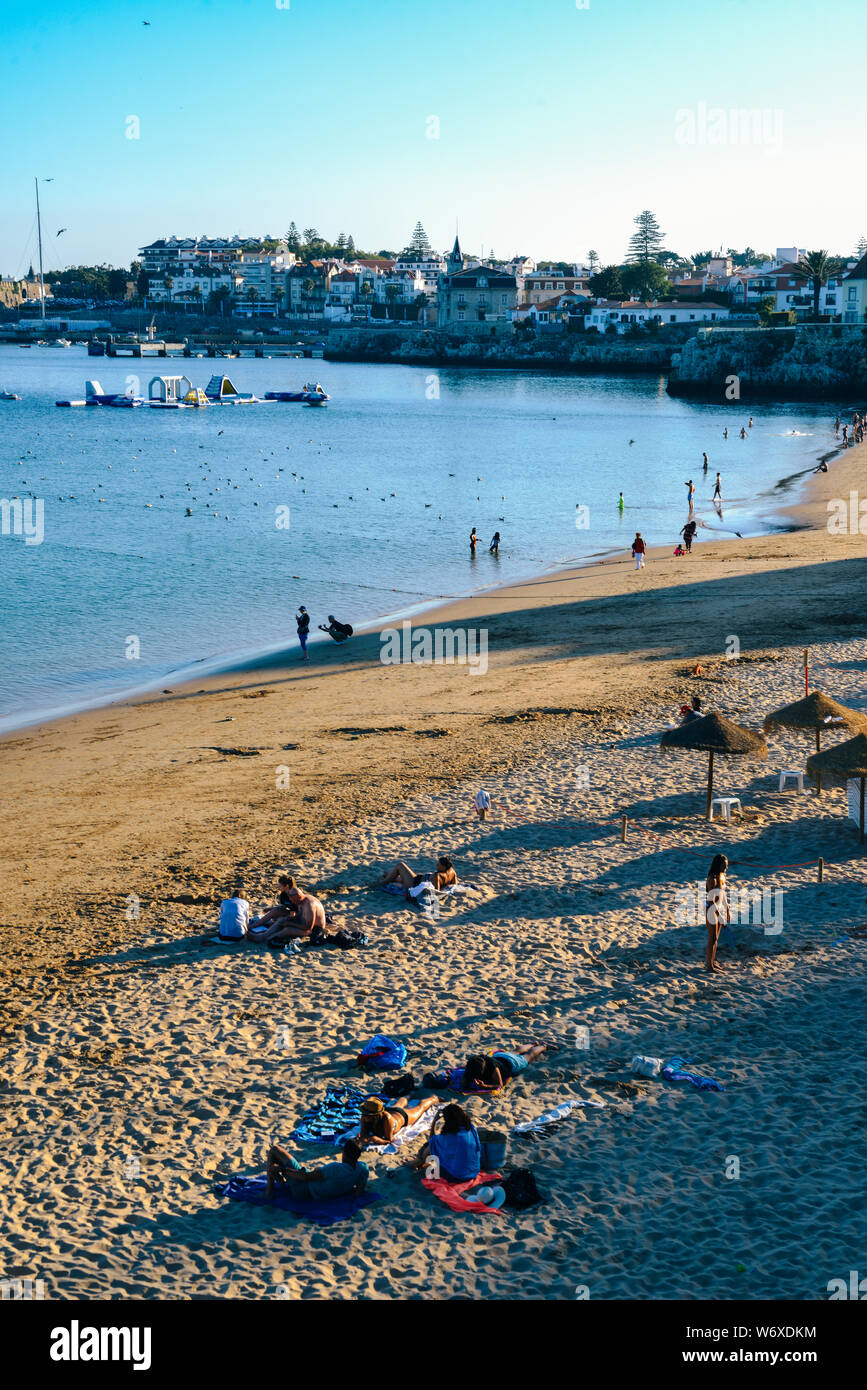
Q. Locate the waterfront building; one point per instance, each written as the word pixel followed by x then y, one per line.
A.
pixel 853 293
pixel 621 315
pixel 543 284
pixel 476 300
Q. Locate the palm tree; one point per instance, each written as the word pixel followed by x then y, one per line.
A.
pixel 169 285
pixel 391 295
pixel 816 268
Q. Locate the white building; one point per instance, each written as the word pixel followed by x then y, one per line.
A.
pixel 624 314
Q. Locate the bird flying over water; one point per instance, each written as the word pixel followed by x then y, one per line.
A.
pixel 62 230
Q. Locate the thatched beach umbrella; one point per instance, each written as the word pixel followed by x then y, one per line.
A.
pixel 714 734
pixel 844 761
pixel 816 711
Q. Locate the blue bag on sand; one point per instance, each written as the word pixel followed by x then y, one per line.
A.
pixel 382 1054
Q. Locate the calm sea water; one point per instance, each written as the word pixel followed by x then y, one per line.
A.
pixel 383 487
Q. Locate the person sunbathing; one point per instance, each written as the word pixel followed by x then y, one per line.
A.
pixel 442 877
pixel 307 911
pixel 314 1184
pixel 490 1073
pixel 380 1123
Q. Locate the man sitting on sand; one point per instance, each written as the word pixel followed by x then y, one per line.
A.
pixel 282 911
pixel 442 877
pixel 307 913
pixel 314 1184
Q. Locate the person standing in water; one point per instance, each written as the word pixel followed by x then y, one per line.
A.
pixel 704 462
pixel 302 621
pixel 620 503
pixel 495 544
pixel 474 540
pixel 690 492
pixel 717 492
pixel 726 432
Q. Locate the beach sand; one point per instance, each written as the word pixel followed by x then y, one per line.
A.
pixel 141 1065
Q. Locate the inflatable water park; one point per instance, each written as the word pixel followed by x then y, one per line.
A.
pixel 179 393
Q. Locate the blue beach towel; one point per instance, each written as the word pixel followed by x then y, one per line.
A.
pixel 333 1119
pixel 675 1070
pixel 324 1213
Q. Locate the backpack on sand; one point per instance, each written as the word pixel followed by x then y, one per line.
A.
pixel 521 1190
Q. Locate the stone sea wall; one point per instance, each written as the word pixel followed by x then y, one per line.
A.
pixel 802 363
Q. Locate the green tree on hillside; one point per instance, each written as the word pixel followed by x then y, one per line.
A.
pixel 816 268
pixel 645 245
pixel 607 283
pixel 645 280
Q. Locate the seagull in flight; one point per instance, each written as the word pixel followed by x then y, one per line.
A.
pixel 62 230
pixel 146 23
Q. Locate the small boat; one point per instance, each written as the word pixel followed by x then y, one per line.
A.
pixel 9 396
pixel 175 393
pixel 311 394
pixel 62 342
pixel 220 391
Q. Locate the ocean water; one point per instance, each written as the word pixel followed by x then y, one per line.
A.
pixel 382 488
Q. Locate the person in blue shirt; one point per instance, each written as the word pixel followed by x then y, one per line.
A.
pixel 314 1184
pixel 455 1143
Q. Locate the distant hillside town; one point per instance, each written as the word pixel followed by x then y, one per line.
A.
pixel 306 279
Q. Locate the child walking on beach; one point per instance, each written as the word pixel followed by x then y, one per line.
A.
pixel 638 551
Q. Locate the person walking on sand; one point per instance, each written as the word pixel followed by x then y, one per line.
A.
pixel 638 551
pixel 688 534
pixel 302 620
pixel 717 492
pixel 717 913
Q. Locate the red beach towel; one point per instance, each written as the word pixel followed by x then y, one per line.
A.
pixel 450 1192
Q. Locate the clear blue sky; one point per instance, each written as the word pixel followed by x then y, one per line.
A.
pixel 557 124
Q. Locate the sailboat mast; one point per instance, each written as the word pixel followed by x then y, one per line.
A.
pixel 39 231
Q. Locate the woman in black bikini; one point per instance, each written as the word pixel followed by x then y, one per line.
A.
pixel 379 1124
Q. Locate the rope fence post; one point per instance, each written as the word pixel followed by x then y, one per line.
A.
pixel 623 825
pixel 821 877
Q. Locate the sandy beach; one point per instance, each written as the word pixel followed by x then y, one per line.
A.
pixel 141 1065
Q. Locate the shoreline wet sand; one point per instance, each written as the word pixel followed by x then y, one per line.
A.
pixel 141 1066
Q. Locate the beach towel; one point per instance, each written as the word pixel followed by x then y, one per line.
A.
pixel 450 1192
pixel 333 1119
pixel 552 1116
pixel 325 1212
pixel 675 1070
